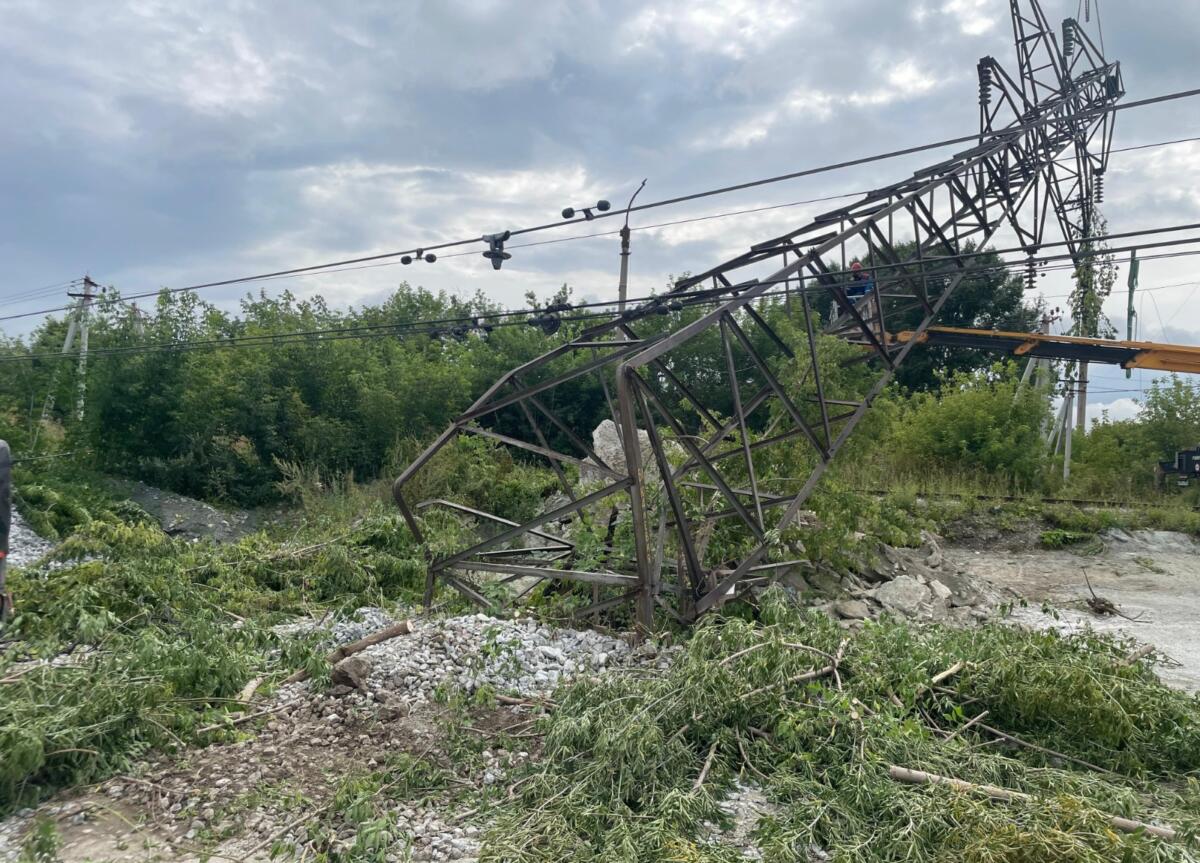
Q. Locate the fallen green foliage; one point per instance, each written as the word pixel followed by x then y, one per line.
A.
pixel 57 512
pixel 624 755
pixel 365 805
pixel 154 637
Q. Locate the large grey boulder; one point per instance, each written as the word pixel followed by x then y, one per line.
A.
pixel 352 672
pixel 904 595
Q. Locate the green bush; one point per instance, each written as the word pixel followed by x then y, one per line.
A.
pixel 982 422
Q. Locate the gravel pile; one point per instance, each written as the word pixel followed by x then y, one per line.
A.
pixel 473 651
pixel 12 830
pixel 436 840
pixel 384 706
pixel 366 621
pixel 24 546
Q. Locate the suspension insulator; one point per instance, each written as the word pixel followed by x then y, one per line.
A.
pixel 1098 189
pixel 1068 35
pixel 1030 273
pixel 985 83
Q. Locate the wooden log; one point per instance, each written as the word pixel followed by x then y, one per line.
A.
pixel 1005 795
pixel 404 627
pixel 1137 655
pixel 712 751
pixel 947 674
pixel 249 689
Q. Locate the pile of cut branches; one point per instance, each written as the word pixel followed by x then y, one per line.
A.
pixel 139 641
pixel 1022 746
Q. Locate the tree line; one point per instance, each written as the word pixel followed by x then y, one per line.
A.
pixel 226 422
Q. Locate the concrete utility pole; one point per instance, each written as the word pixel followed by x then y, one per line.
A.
pixel 77 327
pixel 1033 368
pixel 85 301
pixel 623 282
pixel 1081 407
pixel 1130 314
pixel 51 396
pixel 1067 435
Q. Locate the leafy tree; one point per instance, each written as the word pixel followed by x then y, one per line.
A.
pixel 1171 416
pixel 1114 459
pixel 1094 280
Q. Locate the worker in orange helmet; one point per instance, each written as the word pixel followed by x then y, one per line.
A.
pixel 859 291
pixel 861 282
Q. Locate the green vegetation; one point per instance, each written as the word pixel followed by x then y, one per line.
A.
pixel 155 637
pixel 165 633
pixel 621 774
pixel 240 424
pixel 982 420
pixel 1059 538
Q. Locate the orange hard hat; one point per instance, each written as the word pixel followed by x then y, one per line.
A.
pixel 856 266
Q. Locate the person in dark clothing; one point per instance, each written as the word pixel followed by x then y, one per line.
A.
pixel 860 285
pixel 861 282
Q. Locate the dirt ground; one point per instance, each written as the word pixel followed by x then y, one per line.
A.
pixel 234 801
pixel 1151 576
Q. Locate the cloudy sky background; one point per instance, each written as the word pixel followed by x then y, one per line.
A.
pixel 163 144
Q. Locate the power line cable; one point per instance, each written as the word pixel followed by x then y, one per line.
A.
pixel 1011 131
pixel 46 290
pixel 51 289
pixel 438 327
pixel 926 260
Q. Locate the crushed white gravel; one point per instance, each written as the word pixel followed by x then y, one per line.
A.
pixel 24 546
pixel 522 656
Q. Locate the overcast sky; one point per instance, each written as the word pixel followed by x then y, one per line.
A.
pixel 154 143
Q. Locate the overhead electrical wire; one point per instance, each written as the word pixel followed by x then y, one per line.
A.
pixel 717 295
pixel 684 221
pixel 1067 263
pixel 441 326
pixel 926 260
pixel 55 288
pixel 46 290
pixel 1010 131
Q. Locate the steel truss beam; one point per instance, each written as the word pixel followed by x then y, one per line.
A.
pixel 677 481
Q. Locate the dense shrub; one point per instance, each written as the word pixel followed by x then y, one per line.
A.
pixel 982 422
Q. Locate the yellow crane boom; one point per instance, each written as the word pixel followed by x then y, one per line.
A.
pixel 1126 354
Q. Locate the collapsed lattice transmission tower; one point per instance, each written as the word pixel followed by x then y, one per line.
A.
pixel 1044 138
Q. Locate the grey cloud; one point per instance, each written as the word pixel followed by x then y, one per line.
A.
pixel 175 143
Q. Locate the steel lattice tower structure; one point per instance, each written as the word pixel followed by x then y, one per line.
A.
pixel 1044 137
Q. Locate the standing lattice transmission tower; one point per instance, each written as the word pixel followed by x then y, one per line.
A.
pixel 686 471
